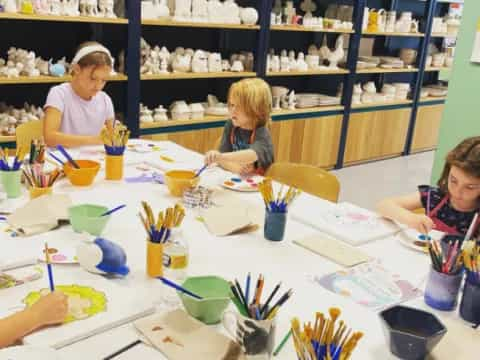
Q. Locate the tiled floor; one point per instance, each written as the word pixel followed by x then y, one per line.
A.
pixel 366 184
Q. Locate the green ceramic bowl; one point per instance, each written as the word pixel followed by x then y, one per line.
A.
pixel 87 218
pixel 215 293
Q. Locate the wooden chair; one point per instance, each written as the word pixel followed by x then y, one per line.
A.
pixel 25 133
pixel 308 178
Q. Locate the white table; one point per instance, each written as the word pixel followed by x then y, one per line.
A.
pixel 230 257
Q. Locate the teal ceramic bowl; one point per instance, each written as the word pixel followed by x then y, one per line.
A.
pixel 215 292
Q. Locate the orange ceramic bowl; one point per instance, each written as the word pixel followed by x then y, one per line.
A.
pixel 83 176
pixel 180 180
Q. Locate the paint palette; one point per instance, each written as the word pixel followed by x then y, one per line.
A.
pixel 60 255
pixel 248 184
pixel 417 241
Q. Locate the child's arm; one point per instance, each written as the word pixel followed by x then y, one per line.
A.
pixel 53 136
pixel 239 157
pixel 49 310
pixel 231 166
pixel 401 209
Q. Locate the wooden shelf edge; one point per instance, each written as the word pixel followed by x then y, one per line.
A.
pixel 445 35
pixel 7 138
pixel 204 25
pixel 386 71
pixel 81 19
pixel 432 99
pixel 164 124
pixel 382 104
pixel 191 75
pixel 309 110
pixel 432 69
pixel 308 73
pixel 379 33
pixel 49 79
pixel 302 28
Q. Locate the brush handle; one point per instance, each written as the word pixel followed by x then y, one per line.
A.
pixel 109 212
pixel 50 277
pixel 201 170
pixel 179 288
pixel 67 156
pixel 56 158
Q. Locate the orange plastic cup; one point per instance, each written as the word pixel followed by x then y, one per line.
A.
pixel 178 181
pixel 83 176
pixel 114 167
pixel 39 191
pixel 154 259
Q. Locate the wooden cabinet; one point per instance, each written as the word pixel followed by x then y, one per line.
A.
pixel 427 125
pixel 376 135
pixel 197 140
pixel 309 141
pixel 312 141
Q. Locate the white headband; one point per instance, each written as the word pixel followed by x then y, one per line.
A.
pixel 87 50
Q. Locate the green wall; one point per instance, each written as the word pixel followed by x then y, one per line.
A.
pixel 461 117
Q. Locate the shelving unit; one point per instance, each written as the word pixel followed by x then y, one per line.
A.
pixel 82 19
pixel 309 73
pixel 170 23
pixel 385 71
pixel 343 129
pixel 393 34
pixel 431 68
pixel 191 75
pixel 301 28
pixel 49 79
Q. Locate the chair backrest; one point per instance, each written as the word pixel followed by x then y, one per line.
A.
pixel 25 133
pixel 308 178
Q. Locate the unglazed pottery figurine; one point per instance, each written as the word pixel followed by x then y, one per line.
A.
pixel 199 10
pixel 200 62
pixel 214 62
pixel 249 16
pixel 183 10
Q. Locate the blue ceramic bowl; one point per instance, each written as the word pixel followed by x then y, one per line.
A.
pixel 411 333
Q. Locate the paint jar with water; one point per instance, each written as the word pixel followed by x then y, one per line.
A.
pixel 175 263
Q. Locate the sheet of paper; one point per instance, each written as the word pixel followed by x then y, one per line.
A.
pixel 333 249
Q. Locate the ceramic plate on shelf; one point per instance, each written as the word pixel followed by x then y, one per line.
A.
pixel 243 184
pixel 27 352
pixel 416 241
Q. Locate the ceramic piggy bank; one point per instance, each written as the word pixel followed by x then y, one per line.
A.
pixel 102 257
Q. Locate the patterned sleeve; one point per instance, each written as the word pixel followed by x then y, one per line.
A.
pixel 423 190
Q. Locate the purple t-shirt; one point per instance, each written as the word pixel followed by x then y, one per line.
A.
pixel 80 116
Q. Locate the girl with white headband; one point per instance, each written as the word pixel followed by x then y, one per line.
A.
pixel 76 112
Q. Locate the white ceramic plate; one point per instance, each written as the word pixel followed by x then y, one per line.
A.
pixel 416 241
pixel 27 352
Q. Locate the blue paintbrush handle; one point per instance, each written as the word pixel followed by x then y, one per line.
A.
pixel 109 212
pixel 179 288
pixel 67 156
pixel 201 170
pixel 50 277
pixel 56 158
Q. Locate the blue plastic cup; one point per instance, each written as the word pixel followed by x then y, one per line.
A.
pixel 274 227
pixel 470 304
pixel 442 290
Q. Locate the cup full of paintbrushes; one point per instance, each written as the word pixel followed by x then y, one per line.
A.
pixel 326 338
pixel 10 173
pixel 115 140
pixel 276 209
pixel 40 182
pixel 470 303
pixel 159 232
pixel 445 276
pixel 253 327
pixel 37 152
